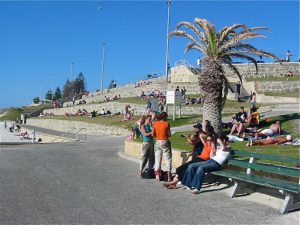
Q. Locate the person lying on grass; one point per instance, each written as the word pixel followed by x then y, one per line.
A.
pixel 271 141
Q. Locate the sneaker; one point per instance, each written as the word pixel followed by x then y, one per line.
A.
pixel 185 188
pixel 195 191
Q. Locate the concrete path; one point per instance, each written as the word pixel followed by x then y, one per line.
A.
pixel 88 183
pixel 7 137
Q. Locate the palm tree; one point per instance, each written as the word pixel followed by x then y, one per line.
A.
pixel 218 49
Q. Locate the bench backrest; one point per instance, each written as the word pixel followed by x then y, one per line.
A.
pixel 251 164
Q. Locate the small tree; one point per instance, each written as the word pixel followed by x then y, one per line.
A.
pixel 48 95
pixel 67 90
pixel 57 94
pixel 80 84
pixel 36 100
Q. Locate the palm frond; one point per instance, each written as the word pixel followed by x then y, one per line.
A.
pixel 192 46
pixel 187 35
pixel 229 30
pixel 241 37
pixel 235 70
pixel 194 29
pixel 244 56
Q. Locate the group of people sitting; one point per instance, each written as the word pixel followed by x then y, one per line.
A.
pixel 142 83
pixel 247 128
pixel 210 152
pixel 192 101
pixel 79 112
pixel 108 99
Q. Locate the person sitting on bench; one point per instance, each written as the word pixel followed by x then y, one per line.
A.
pixel 195 172
pixel 206 154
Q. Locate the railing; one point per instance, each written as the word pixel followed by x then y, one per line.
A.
pixel 69 135
pixel 191 67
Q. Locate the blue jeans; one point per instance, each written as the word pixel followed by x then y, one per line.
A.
pixel 195 172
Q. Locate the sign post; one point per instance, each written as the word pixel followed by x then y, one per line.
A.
pixel 174 97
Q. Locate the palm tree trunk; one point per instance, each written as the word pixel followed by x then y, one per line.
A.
pixel 212 112
pixel 211 83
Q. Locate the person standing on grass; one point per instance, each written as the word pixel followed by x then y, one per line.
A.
pixel 148 145
pixel 161 131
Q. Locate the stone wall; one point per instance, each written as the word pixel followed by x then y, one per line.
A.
pixel 131 91
pixel 133 149
pixel 277 86
pixel 73 126
pixel 264 70
pixel 181 74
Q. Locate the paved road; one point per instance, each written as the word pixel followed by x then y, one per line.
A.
pixel 88 183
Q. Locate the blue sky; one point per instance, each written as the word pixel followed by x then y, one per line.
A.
pixel 39 39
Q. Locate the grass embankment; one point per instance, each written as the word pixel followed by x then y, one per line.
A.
pixel 13 114
pixel 289 123
pixel 292 94
pixel 228 105
pixel 116 120
pixel 295 78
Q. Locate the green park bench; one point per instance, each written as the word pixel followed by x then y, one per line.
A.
pixel 249 174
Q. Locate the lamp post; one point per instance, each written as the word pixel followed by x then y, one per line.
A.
pixel 102 69
pixel 52 76
pixel 71 71
pixel 41 91
pixel 167 49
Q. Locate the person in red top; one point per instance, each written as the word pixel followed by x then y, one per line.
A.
pixel 205 155
pixel 161 131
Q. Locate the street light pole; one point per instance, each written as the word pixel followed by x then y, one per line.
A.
pixel 102 70
pixel 41 91
pixel 167 49
pixel 71 71
pixel 52 87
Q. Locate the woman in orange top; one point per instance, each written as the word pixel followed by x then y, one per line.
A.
pixel 161 131
pixel 206 154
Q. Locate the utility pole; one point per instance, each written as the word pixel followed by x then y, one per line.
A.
pixel 167 49
pixel 102 70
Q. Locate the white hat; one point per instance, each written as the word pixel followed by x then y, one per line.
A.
pixel 288 137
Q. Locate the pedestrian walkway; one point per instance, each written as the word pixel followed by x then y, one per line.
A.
pixel 7 137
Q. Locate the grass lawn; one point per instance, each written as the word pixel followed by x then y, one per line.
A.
pixel 103 120
pixel 133 100
pixel 289 123
pixel 13 113
pixel 295 78
pixel 229 103
pixel 292 94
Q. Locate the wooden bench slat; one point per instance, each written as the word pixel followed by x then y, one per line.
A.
pixel 265 167
pixel 268 157
pixel 259 180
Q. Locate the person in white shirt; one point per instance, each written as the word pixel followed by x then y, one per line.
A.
pixel 195 172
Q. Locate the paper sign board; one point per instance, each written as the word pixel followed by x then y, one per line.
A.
pixel 174 96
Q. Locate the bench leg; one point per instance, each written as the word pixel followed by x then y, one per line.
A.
pixel 291 202
pixel 288 202
pixel 240 188
pixel 235 189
